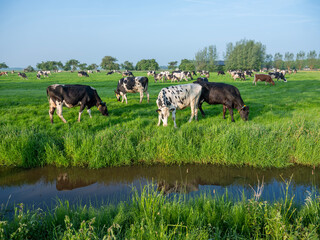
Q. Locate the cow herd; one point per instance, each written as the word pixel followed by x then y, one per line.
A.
pixel 169 100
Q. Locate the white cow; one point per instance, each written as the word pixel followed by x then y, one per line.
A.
pixel 178 97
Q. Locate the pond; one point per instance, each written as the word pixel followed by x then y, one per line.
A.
pixel 41 187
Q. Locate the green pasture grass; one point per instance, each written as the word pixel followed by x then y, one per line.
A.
pixel 152 215
pixel 283 126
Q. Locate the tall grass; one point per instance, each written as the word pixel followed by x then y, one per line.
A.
pixel 152 215
pixel 282 130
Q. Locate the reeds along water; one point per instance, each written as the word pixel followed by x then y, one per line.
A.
pixel 153 215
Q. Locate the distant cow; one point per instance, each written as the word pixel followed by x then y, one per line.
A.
pixel 277 75
pixel 179 76
pixel 151 73
pixel 22 75
pixel 221 73
pixel 178 97
pixel 83 73
pixel 109 73
pixel 4 73
pixel 225 94
pixel 72 96
pixel 239 75
pixel 132 85
pixel 263 78
pixel 127 74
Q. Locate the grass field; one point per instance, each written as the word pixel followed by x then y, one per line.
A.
pixel 283 126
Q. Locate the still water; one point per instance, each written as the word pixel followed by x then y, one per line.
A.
pixel 41 187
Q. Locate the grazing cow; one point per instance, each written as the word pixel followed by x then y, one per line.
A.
pixel 109 73
pixel 294 71
pixel 188 74
pixel 239 75
pixel 193 73
pixel 72 96
pixel 151 73
pixel 4 73
pixel 248 73
pixel 263 78
pixel 179 76
pixel 127 74
pixel 277 75
pixel 225 94
pixel 22 75
pixel 38 76
pixel 12 72
pixel 159 76
pixel 178 97
pixel 221 73
pixel 132 85
pixel 83 73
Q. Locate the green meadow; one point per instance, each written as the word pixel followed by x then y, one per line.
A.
pixel 283 126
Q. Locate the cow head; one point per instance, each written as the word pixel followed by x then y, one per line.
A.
pixel 103 109
pixel 164 113
pixel 244 112
pixel 118 95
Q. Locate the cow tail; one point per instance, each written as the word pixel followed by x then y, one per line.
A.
pixel 146 86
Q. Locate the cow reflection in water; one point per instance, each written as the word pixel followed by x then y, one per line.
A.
pixel 177 187
pixel 65 183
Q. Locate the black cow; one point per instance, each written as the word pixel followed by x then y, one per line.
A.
pixel 203 79
pixel 109 73
pixel 127 74
pixel 221 73
pixel 83 73
pixel 225 94
pixel 132 85
pixel 278 75
pixel 23 75
pixel 72 96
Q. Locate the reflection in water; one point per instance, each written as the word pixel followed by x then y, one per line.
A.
pixel 115 184
pixel 65 183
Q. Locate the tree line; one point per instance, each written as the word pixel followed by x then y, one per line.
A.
pixel 242 55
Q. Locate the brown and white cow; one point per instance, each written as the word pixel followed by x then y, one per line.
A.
pixel 72 96
pixel 4 73
pixel 132 85
pixel 175 98
pixel 263 78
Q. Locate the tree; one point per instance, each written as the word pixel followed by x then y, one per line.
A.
pixel 278 62
pixel 127 65
pixel 109 63
pixel 205 59
pixel 92 66
pixel 245 55
pixel 289 60
pixel 3 65
pixel 212 58
pixel 312 59
pixel 187 65
pixel 268 61
pixel 29 69
pixel 82 66
pixel 300 59
pixel 172 65
pixel 72 64
pixel 147 64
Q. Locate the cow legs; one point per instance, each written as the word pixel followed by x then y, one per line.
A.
pixel 174 118
pixel 192 110
pixel 80 112
pixel 147 96
pixel 200 108
pixel 52 109
pixel 231 113
pixel 125 98
pixel 159 121
pixel 224 111
pixel 59 111
pixel 141 97
pixel 89 112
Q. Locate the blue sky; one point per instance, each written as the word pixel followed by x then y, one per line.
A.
pixel 33 31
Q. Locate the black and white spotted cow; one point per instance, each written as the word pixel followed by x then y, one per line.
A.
pixel 277 75
pixel 179 76
pixel 72 96
pixel 175 98
pixel 22 75
pixel 132 85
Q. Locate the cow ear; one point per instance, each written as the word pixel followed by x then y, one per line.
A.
pixel 158 110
